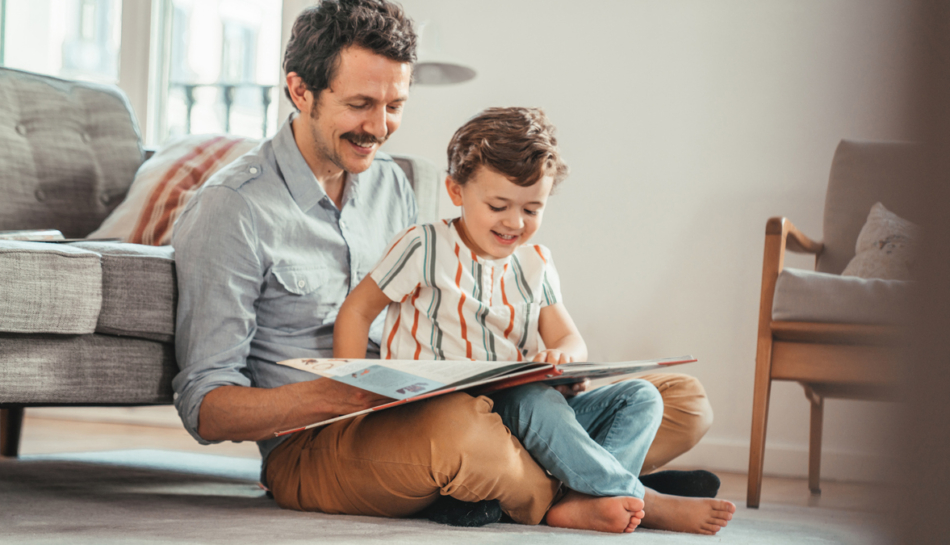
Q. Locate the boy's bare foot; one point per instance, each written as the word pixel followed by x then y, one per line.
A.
pixel 618 514
pixel 682 514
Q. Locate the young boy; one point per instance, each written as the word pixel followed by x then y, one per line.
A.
pixel 473 288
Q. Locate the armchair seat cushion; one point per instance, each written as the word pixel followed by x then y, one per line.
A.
pixel 807 296
pixel 138 290
pixel 49 288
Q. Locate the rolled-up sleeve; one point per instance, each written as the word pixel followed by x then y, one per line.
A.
pixel 219 281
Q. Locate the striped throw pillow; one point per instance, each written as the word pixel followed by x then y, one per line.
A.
pixel 165 183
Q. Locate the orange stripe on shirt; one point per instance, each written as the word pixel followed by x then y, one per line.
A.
pixel 415 323
pixel 538 249
pixel 458 281
pixel 504 299
pixel 389 342
pixel 398 241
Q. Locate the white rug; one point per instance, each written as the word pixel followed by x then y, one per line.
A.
pixel 154 496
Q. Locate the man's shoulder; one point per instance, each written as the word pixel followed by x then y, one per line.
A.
pixel 243 170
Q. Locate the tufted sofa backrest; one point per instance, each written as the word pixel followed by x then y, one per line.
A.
pixel 68 152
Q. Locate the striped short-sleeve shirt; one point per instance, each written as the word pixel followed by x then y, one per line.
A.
pixel 450 304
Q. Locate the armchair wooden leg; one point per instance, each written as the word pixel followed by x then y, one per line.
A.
pixel 814 442
pixel 760 418
pixel 11 422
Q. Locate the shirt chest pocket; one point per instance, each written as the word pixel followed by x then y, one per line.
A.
pixel 299 297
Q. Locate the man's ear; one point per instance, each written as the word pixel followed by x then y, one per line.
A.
pixel 299 92
pixel 455 190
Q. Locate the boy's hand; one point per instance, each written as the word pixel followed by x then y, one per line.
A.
pixel 558 357
pixel 554 356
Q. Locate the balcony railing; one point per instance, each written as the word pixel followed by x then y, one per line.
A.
pixel 226 95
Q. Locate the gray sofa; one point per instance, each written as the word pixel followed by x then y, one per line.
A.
pixel 86 323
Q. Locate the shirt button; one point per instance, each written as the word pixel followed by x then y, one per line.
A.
pixel 342 224
pixel 301 283
pixel 21 129
pixel 252 170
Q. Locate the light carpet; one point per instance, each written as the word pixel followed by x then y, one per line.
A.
pixel 154 496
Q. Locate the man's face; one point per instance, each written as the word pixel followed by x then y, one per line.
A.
pixel 360 109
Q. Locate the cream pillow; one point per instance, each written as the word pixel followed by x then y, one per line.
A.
pixel 886 247
pixel 165 183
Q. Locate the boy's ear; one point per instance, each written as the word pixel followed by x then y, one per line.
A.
pixel 455 190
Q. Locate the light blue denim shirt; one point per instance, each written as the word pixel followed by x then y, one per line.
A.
pixel 264 260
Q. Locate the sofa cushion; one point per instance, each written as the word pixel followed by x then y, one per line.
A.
pixel 89 369
pixel 138 290
pixel 806 296
pixel 49 288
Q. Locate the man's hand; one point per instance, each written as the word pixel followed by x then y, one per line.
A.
pixel 343 399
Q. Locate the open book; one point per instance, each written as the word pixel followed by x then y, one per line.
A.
pixel 406 381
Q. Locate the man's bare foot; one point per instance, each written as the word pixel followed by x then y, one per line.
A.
pixel 682 514
pixel 619 514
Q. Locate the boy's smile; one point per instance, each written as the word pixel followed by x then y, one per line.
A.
pixel 497 214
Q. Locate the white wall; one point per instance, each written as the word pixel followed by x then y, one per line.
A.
pixel 686 125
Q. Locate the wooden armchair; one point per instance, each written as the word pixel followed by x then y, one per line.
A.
pixel 830 357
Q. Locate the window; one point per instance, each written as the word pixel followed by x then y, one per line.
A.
pixel 224 69
pixel 188 66
pixel 71 39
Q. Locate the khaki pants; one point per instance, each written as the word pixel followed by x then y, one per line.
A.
pixel 396 462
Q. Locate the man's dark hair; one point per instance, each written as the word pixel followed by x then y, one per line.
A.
pixel 322 31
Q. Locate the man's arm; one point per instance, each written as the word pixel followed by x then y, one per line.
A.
pixel 361 307
pixel 241 413
pixel 220 275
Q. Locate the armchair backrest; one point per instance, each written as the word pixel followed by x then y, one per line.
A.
pixel 68 152
pixel 863 173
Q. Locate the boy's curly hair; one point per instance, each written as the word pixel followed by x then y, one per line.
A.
pixel 518 143
pixel 322 31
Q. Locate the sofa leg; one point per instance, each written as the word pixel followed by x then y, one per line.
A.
pixel 11 423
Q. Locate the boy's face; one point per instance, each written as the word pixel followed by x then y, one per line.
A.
pixel 497 215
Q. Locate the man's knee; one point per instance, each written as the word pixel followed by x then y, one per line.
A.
pixel 686 408
pixel 459 421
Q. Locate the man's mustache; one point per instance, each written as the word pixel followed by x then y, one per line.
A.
pixel 362 139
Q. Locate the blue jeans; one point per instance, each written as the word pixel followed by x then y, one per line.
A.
pixel 595 442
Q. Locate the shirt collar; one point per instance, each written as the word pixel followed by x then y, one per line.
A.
pixel 497 263
pixel 303 185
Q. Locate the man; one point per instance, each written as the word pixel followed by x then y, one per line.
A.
pixel 265 255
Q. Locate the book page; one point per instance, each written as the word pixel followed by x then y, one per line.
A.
pixel 402 379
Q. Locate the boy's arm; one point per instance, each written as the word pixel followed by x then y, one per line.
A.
pixel 563 342
pixel 361 307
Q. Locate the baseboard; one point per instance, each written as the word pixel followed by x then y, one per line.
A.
pixel 164 416
pixel 784 460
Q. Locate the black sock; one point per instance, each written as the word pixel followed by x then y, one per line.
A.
pixel 697 484
pixel 448 510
